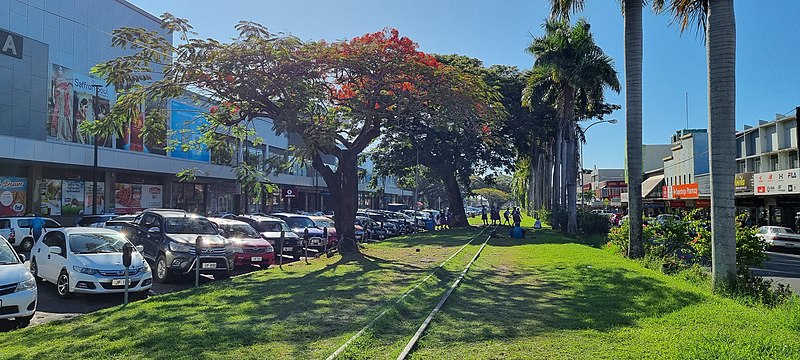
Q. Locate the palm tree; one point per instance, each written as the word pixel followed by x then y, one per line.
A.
pixel 717 19
pixel 572 73
pixel 632 13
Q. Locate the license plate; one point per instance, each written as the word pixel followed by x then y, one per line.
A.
pixel 255 258
pixel 119 282
pixel 285 249
pixel 209 265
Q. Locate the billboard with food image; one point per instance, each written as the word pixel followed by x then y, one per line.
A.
pixel 131 198
pixel 72 197
pixel 13 195
pixel 50 196
pixel 101 197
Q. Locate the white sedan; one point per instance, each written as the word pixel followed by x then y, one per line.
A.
pixel 779 236
pixel 17 287
pixel 88 260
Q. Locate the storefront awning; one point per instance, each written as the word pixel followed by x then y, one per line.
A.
pixel 651 184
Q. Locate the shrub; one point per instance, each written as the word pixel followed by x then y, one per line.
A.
pixel 588 223
pixel 762 291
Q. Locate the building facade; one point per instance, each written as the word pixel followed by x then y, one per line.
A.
pixel 46 162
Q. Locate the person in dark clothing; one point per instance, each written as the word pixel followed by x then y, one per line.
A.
pixel 517 217
pixel 507 216
pixel 483 216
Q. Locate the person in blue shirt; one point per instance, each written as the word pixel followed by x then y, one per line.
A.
pixel 37 224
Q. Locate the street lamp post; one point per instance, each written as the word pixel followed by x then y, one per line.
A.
pixel 94 166
pixel 610 121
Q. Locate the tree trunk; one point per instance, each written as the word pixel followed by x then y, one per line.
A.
pixel 547 183
pixel 557 164
pixel 343 186
pixel 571 168
pixel 721 52
pixel 633 122
pixel 456 202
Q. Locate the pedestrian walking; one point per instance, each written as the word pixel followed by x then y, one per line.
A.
pixel 483 215
pixel 495 216
pixel 517 217
pixel 507 215
pixel 37 224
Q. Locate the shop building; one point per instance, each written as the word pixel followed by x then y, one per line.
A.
pixel 768 178
pixel 686 172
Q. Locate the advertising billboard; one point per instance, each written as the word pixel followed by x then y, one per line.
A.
pixel 71 101
pixel 131 198
pixel 13 196
pixel 685 191
pixel 186 130
pixel 777 182
pixel 101 197
pixel 72 197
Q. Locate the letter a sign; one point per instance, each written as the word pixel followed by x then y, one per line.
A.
pixel 11 44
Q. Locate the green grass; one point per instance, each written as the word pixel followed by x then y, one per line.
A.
pixel 542 297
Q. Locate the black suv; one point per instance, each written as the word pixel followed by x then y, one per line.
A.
pixel 169 236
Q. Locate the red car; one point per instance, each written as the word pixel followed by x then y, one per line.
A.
pixel 249 247
pixel 326 222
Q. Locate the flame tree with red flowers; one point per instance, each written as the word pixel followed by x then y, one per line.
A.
pixel 339 97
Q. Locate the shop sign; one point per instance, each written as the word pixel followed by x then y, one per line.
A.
pixel 11 44
pixel 653 205
pixel 685 191
pixel 623 197
pixel 13 196
pixel 743 182
pixel 777 182
pixel 289 192
pixel 666 192
pixel 610 184
pixel 677 204
pixel 783 201
pixel 702 203
pixel 750 201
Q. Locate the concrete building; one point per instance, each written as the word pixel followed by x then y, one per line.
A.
pixel 686 182
pixel 46 92
pixel 768 179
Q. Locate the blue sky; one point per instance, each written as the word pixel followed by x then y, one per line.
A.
pixel 497 32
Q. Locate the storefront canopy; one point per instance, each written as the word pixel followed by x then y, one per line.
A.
pixel 651 184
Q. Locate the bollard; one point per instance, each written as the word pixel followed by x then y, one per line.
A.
pixel 280 263
pixel 198 248
pixel 305 245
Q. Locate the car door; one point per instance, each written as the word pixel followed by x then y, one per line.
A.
pixel 151 241
pixel 44 260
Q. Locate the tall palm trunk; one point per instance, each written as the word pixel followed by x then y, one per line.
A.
pixel 721 52
pixel 633 121
pixel 570 167
pixel 557 164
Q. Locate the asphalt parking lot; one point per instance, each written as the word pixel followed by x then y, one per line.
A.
pixel 51 307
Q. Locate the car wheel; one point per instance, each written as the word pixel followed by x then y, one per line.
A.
pixel 26 245
pixel 24 321
pixel 35 270
pixel 222 276
pixel 162 273
pixel 62 284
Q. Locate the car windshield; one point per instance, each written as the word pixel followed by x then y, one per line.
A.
pixel 787 230
pixel 272 226
pixel 321 223
pixel 238 231
pixel 300 222
pixel 7 255
pixel 189 225
pixel 96 243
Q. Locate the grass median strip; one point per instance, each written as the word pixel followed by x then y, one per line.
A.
pixel 307 311
pixel 552 298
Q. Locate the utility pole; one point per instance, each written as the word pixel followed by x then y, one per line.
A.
pixel 94 166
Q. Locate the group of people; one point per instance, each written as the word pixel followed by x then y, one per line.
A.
pixel 444 219
pixel 509 215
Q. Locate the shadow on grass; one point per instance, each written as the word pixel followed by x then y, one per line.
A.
pixel 500 304
pixel 291 314
pixel 544 236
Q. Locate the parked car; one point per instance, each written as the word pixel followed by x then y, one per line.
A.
pixel 665 218
pixel 168 237
pixel 326 222
pixel 270 229
pixel 118 222
pixel 372 230
pixel 18 230
pixel 18 293
pixel 249 247
pixel 88 260
pixel 299 224
pixel 95 220
pixel 778 236
pixel 392 229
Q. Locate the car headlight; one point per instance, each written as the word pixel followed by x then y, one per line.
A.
pixel 235 249
pixel 83 270
pixel 145 266
pixel 29 284
pixel 270 248
pixel 180 247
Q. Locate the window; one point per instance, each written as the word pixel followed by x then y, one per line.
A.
pixel 773 163
pixel 740 166
pixel 5 223
pixel 51 224
pixel 757 165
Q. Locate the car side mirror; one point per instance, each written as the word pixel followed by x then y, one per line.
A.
pixel 55 250
pixel 21 258
pixel 154 230
pixel 221 232
pixel 139 248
